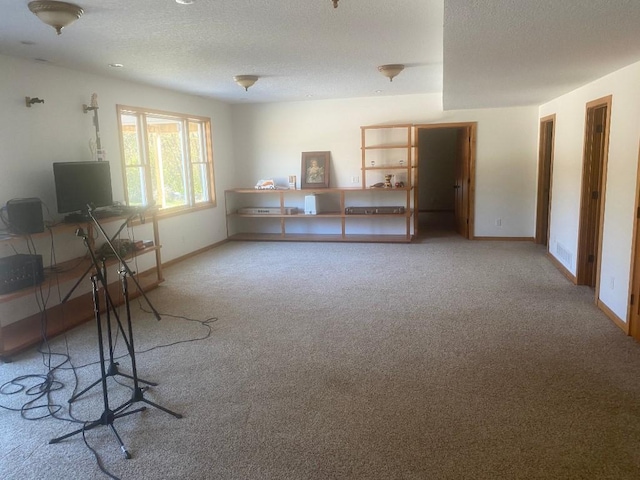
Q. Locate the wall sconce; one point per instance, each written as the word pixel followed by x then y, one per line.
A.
pixel 30 101
pixel 245 81
pixel 56 14
pixel 390 71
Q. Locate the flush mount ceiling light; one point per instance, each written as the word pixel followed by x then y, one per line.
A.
pixel 390 71
pixel 56 14
pixel 335 3
pixel 245 81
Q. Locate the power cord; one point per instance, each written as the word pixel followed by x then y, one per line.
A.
pixel 46 384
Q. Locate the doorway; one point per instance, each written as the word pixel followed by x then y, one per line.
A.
pixel 634 301
pixel 444 190
pixel 545 168
pixel 594 172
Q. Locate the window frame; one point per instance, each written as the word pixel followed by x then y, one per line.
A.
pixel 142 115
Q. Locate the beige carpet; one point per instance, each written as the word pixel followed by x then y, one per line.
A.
pixel 441 359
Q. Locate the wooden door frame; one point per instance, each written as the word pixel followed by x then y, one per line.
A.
pixel 471 180
pixel 633 308
pixel 541 176
pixel 585 194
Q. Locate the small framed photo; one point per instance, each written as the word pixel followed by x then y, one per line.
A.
pixel 315 170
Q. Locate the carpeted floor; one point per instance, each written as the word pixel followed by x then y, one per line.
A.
pixel 441 359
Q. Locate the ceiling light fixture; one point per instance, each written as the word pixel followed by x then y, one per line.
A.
pixel 390 71
pixel 56 14
pixel 335 3
pixel 245 81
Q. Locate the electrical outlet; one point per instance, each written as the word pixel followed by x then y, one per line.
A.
pixel 612 282
pixel 498 222
pixel 355 179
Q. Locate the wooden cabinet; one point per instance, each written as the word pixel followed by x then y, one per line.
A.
pixel 27 313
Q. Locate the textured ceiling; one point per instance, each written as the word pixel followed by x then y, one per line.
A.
pixel 492 53
pixel 527 52
pixel 298 48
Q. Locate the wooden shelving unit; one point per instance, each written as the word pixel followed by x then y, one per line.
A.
pixel 330 225
pixel 387 150
pixel 57 318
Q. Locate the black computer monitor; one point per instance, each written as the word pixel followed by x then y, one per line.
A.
pixel 79 184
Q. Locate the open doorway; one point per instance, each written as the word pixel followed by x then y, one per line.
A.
pixel 545 168
pixel 634 301
pixel 444 191
pixel 594 172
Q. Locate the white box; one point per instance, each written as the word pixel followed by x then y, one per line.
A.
pixel 316 203
pixel 310 205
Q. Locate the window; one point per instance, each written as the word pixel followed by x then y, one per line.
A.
pixel 167 159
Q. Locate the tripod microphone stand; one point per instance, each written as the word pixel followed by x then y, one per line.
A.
pixel 108 415
pixel 126 272
pixel 112 370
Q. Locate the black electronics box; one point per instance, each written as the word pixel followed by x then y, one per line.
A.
pixel 20 271
pixel 374 210
pixel 25 216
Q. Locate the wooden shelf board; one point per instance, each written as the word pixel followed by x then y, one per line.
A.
pixel 65 272
pixel 25 333
pixel 323 215
pixel 306 191
pixel 294 237
pixel 387 147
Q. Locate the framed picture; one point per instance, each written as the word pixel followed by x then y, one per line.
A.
pixel 315 170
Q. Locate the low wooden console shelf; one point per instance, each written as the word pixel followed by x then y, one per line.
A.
pixel 17 334
pixel 330 224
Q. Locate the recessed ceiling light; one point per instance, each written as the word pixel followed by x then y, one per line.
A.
pixel 378 91
pixel 116 65
pixel 186 2
pixel 27 42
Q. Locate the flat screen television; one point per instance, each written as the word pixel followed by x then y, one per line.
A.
pixel 79 184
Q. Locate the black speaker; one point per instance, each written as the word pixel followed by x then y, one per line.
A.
pixel 25 216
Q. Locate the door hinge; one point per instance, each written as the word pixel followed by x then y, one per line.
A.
pixel 467 221
pixel 591 258
pixel 631 299
pixel 595 194
pixel 638 213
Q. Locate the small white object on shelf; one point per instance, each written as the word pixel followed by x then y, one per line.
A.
pixel 265 185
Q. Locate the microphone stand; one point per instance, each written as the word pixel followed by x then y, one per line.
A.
pixel 113 369
pixel 108 415
pixel 126 272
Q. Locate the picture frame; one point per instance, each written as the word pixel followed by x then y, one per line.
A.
pixel 315 170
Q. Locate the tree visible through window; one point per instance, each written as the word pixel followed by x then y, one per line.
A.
pixel 167 158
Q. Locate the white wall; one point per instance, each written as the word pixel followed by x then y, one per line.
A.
pixel 250 142
pixel 269 139
pixel 570 110
pixel 33 138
